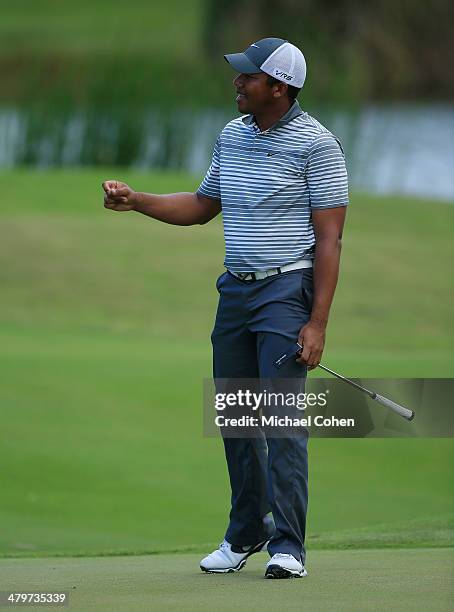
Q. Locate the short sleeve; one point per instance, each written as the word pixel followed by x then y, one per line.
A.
pixel 326 173
pixel 211 185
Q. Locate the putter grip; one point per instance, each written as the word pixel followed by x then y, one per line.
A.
pixel 405 412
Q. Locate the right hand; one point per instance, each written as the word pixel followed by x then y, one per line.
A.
pixel 119 196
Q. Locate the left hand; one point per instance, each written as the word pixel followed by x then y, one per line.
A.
pixel 312 339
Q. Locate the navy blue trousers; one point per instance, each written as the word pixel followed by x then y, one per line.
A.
pixel 256 322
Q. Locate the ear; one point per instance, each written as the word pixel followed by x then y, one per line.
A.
pixel 280 90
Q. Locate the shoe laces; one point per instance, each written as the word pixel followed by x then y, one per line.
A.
pixel 283 556
pixel 224 546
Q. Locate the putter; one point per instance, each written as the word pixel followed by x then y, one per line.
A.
pixel 384 401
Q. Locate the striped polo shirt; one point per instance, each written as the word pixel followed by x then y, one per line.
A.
pixel 268 183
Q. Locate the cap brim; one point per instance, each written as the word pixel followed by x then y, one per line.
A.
pixel 241 63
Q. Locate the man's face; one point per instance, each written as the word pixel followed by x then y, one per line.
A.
pixel 254 93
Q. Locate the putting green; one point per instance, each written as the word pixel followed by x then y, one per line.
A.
pixel 338 580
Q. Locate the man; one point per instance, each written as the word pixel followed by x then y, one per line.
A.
pixel 279 178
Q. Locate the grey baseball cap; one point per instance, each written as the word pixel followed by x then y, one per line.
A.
pixel 274 56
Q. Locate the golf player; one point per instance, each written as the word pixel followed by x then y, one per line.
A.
pixel 278 177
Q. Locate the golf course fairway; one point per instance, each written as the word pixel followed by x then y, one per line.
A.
pixel 108 484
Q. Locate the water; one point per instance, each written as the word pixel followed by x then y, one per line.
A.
pixel 398 149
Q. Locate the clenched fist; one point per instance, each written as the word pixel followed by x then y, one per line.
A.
pixel 119 196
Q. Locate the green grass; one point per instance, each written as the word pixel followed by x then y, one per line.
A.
pixel 106 54
pixel 104 335
pixel 393 301
pixel 338 580
pixel 101 27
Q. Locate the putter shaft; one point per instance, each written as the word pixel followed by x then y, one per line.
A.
pixel 397 408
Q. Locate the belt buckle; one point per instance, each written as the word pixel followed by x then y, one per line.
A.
pixel 243 275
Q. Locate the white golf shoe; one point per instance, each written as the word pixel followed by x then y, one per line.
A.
pixel 228 558
pixel 284 566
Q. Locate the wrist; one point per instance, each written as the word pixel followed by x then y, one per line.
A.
pixel 136 200
pixel 319 322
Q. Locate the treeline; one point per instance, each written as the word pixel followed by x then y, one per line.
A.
pixel 357 51
pixel 381 49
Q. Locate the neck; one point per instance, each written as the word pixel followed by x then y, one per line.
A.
pixel 268 117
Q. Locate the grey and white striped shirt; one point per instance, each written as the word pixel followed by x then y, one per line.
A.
pixel 268 183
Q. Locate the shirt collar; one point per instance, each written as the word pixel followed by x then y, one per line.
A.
pixel 293 111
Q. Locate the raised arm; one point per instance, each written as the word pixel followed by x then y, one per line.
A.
pixel 174 208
